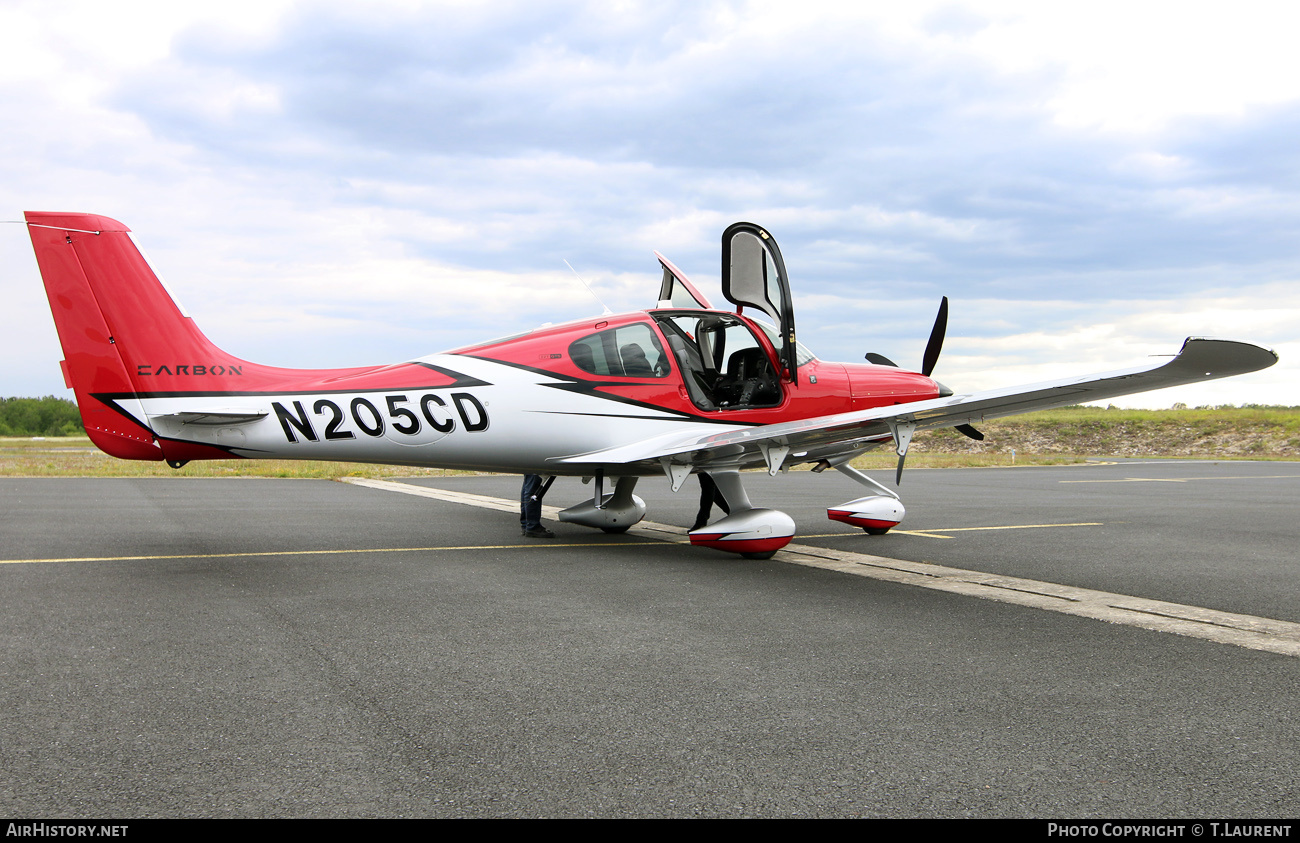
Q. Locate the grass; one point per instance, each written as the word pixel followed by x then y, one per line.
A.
pixel 76 456
pixel 1218 432
pixel 1054 437
pixel 887 459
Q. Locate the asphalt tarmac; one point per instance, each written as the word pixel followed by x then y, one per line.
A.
pixel 283 648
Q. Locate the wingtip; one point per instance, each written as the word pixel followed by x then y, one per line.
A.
pixel 1224 358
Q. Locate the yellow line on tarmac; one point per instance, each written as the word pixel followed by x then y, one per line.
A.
pixel 545 544
pixel 937 532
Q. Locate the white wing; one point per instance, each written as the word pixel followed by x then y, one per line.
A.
pixel 809 440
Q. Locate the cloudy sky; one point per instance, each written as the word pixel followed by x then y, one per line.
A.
pixel 330 184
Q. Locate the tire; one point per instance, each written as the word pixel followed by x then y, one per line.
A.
pixel 876 531
pixel 766 554
pixel 616 530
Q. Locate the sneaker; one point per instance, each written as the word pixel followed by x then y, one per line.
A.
pixel 539 533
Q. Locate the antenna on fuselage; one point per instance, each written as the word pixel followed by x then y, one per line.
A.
pixel 605 310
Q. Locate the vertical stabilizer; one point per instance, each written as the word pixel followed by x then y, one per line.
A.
pixel 125 341
pixel 93 364
pixel 122 334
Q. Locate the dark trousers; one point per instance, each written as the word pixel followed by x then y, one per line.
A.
pixel 709 495
pixel 530 502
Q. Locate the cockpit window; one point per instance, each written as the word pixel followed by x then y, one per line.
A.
pixel 676 290
pixel 632 351
pixel 681 297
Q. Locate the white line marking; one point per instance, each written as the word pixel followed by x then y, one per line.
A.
pixel 1248 631
pixel 1185 479
pixel 647 529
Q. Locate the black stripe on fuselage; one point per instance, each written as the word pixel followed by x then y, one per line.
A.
pixel 461 380
pixel 229 449
pixel 569 383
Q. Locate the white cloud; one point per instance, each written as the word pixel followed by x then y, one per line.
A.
pixel 327 183
pixel 1118 334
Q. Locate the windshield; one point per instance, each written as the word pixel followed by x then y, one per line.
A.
pixel 802 354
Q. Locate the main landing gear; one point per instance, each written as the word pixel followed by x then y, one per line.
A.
pixel 753 533
pixel 614 513
pixel 759 533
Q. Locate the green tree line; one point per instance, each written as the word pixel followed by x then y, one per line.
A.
pixel 48 416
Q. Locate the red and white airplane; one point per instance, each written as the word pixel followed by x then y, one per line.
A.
pixel 676 389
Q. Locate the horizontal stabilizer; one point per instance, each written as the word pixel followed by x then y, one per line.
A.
pixel 223 416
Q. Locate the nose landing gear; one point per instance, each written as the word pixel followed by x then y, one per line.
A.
pixel 876 514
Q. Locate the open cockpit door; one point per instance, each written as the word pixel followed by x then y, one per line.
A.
pixel 677 290
pixel 753 274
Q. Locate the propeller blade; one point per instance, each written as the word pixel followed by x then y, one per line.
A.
pixel 935 345
pixel 880 359
pixel 970 431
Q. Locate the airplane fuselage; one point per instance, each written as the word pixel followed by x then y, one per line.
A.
pixel 509 405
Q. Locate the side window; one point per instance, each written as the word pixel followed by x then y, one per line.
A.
pixel 632 351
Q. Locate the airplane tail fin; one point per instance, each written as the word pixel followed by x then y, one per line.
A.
pixel 121 331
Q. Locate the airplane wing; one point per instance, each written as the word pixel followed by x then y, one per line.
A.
pixel 823 436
